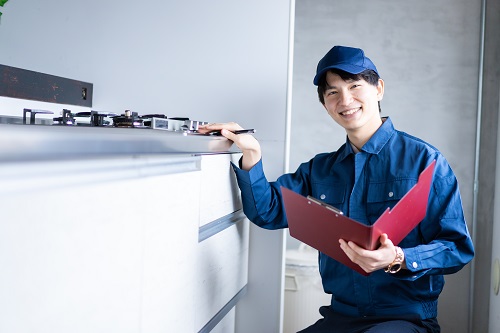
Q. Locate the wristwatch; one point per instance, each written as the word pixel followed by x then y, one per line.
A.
pixel 396 265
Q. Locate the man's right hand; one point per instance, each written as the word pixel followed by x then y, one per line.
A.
pixel 247 143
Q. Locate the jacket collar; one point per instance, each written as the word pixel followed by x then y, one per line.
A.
pixel 378 140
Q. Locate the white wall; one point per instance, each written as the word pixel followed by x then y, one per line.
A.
pixel 207 60
pixel 214 61
pixel 428 55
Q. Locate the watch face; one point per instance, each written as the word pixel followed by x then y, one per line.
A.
pixel 395 268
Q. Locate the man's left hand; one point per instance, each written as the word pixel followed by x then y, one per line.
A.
pixel 371 261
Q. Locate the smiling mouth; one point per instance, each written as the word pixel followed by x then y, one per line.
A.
pixel 349 112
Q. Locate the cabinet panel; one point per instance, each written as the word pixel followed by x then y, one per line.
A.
pixel 222 271
pixel 169 257
pixel 103 257
pixel 227 324
pixel 66 272
pixel 220 194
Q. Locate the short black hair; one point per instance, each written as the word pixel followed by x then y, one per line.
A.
pixel 368 75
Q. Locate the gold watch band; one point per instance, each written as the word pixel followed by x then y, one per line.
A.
pixel 397 264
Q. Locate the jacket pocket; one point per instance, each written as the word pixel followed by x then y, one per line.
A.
pixel 383 195
pixel 332 193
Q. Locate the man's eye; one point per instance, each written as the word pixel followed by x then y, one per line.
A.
pixel 331 93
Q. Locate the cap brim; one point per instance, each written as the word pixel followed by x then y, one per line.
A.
pixel 352 69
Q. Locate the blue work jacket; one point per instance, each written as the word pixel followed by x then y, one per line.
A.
pixel 362 186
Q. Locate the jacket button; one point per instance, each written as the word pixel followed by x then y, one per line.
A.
pixel 322 197
pixel 391 194
pixel 415 265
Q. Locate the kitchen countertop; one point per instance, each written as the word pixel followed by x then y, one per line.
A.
pixel 38 142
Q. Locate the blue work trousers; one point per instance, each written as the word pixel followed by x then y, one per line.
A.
pixel 333 322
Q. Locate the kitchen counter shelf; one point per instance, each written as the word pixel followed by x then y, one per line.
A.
pixel 33 142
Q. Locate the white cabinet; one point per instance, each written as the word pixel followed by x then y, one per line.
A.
pixel 222 255
pixel 221 274
pixel 219 194
pixel 112 245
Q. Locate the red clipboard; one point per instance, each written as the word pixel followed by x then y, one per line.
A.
pixel 321 226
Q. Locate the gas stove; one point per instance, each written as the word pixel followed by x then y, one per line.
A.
pixel 128 119
pixel 39 136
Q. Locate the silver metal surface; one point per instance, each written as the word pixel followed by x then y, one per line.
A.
pixel 19 120
pixel 28 142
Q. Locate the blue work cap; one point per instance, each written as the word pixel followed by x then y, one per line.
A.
pixel 347 59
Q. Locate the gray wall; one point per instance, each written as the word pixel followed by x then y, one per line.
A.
pixel 487 224
pixel 428 55
pixel 214 61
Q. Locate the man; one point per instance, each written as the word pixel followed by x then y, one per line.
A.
pixel 374 168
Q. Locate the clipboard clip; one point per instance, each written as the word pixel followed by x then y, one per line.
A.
pixel 327 206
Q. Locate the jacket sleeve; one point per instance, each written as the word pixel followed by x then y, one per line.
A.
pixel 446 245
pixel 261 199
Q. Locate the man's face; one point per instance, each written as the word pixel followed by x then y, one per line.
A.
pixel 353 104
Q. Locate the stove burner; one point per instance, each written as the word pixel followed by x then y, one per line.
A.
pixel 67 119
pixel 129 119
pixel 33 113
pixel 96 118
